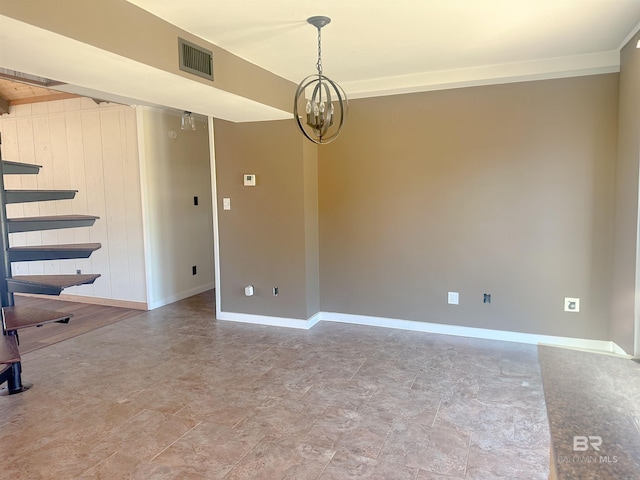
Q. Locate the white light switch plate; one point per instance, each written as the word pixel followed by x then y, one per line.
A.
pixel 226 204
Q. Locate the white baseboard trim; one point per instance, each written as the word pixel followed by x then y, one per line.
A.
pixel 267 320
pixel 473 332
pixel 108 302
pixel 181 296
pixel 437 328
pixel 615 348
pixel 314 319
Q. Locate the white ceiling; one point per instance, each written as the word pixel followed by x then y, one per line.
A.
pixel 375 47
pixel 371 47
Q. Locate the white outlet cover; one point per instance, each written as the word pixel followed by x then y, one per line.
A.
pixel 226 204
pixel 248 290
pixel 249 180
pixel 453 298
pixel 571 304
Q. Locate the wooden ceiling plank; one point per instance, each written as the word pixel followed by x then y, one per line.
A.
pixel 17 93
pixel 41 98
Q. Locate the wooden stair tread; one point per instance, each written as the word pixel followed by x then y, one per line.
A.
pixel 72 246
pixel 52 217
pixel 24 196
pixel 25 253
pixel 47 284
pixel 30 224
pixel 9 349
pixel 60 281
pixel 16 317
pixel 11 168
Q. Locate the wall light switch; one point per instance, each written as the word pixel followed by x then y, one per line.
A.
pixel 453 298
pixel 226 204
pixel 249 180
pixel 571 304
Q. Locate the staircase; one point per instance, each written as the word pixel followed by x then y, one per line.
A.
pixel 14 317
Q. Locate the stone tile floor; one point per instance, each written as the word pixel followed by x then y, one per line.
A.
pixel 174 394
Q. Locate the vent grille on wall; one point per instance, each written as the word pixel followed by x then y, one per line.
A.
pixel 195 59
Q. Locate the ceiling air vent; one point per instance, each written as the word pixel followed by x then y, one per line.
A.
pixel 195 59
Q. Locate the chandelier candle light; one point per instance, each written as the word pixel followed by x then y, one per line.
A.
pixel 326 107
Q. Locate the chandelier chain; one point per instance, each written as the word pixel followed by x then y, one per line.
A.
pixel 319 63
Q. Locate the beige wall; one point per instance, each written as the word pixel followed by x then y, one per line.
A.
pixel 178 234
pixel 264 237
pixel 312 247
pixel 504 189
pixel 625 282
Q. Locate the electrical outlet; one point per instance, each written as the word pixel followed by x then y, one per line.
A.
pixel 249 180
pixel 275 291
pixel 487 298
pixel 194 270
pixel 78 272
pixel 571 304
pixel 453 298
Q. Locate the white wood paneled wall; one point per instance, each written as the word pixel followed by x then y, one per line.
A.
pixel 93 149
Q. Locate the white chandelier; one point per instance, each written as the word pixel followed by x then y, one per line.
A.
pixel 326 105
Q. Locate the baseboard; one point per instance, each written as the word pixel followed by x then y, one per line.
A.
pixel 108 302
pixel 181 296
pixel 474 332
pixel 437 328
pixel 268 320
pixel 112 302
pixel 618 350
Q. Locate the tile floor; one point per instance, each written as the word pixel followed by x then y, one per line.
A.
pixel 173 394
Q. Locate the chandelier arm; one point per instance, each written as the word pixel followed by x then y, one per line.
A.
pixel 324 127
pixel 343 104
pixel 342 101
pixel 306 82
